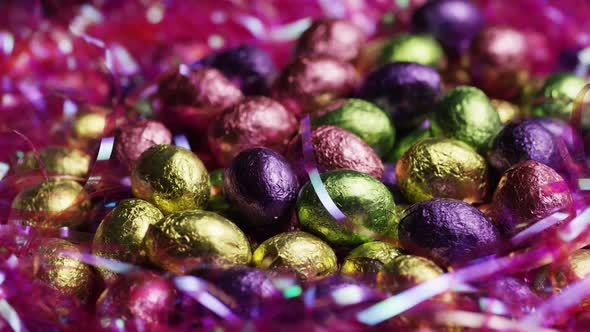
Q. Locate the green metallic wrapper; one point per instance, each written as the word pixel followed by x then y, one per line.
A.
pixel 420 48
pixel 442 167
pixel 57 160
pixel 296 252
pixel 362 118
pixel 465 113
pixel 186 240
pixel 556 97
pixel 366 202
pixel 90 122
pixel 506 110
pixel 172 178
pixel 406 271
pixel 405 142
pixel 368 256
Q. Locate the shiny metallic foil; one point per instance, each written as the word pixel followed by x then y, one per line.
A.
pixel 406 271
pixel 440 167
pixel 340 39
pixel 296 252
pixel 367 256
pixel 506 110
pixel 57 160
pixel 419 48
pixel 182 241
pixel 172 178
pixel 90 122
pixel 556 97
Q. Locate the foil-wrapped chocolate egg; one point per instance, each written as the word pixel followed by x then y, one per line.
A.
pixel 90 122
pixel 369 258
pixel 366 202
pixel 247 66
pixel 363 119
pixel 57 160
pixel 528 192
pixel 406 142
pixel 262 186
pixel 172 178
pixel 407 91
pixel 442 167
pixel 498 61
pixel 507 111
pixel 312 82
pixel 335 148
pixel 140 298
pixel 59 269
pixel 52 203
pixel 526 140
pixel 182 241
pixel 299 253
pixel 556 97
pixel 465 113
pixel 516 295
pixel 453 23
pixel 562 131
pixel 256 121
pixel 134 138
pixel 405 271
pixel 418 48
pixel 120 235
pixel 339 39
pixel 192 97
pixel 447 230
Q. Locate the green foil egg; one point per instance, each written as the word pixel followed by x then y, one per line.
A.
pixel 405 271
pixel 556 97
pixel 420 48
pixel 366 202
pixel 465 113
pixel 369 257
pixel 362 118
pixel 405 142
pixel 442 167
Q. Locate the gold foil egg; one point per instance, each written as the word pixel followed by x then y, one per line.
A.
pixel 172 178
pixel 296 252
pixel 90 122
pixel 61 272
pixel 184 240
pixel 369 257
pixel 406 271
pixel 121 233
pixel 52 203
pixel 440 167
pixel 57 160
pixel 506 110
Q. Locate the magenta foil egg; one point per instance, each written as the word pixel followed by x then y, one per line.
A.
pixel 339 39
pixel 134 138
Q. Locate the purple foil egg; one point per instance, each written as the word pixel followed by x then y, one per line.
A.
pixel 405 90
pixel 526 140
pixel 249 67
pixel 517 297
pixel 564 131
pixel 453 22
pixel 447 230
pixel 261 184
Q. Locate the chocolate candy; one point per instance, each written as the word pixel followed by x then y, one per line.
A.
pixel 526 140
pixel 447 230
pixel 139 298
pixel 90 122
pixel 184 240
pixel 366 202
pixel 63 273
pixel 406 142
pixel 498 57
pixel 556 97
pixel 465 113
pixel 562 131
pixel 406 271
pixel 507 111
pixel 528 192
pixel 335 148
pixel 57 160
pixel 363 119
pixel 256 121
pixel 442 167
pixel 121 233
pixel 418 48
pixel 247 66
pixel 172 178
pixel 516 295
pixel 52 203
pixel 133 139
pixel 454 23
pixel 311 82
pixel 406 91
pixel 369 258
pixel 296 252
pixel 339 39
pixel 262 186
